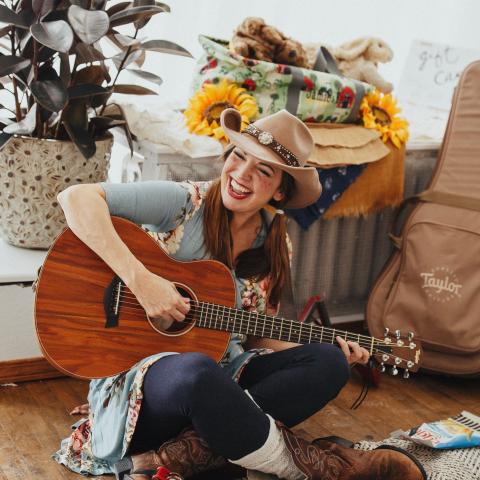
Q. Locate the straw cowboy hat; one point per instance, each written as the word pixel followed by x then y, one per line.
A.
pixel 283 141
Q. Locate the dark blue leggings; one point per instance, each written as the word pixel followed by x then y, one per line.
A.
pixel 191 389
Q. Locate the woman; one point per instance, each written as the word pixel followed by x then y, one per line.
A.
pixel 188 397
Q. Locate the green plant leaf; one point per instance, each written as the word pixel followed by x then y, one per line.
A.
pixel 164 46
pixel 130 15
pixel 87 53
pixel 25 126
pixel 139 24
pixel 86 90
pixel 89 25
pixel 24 77
pixel 99 4
pixel 47 72
pixel 138 3
pixel 118 7
pixel 104 123
pixel 151 77
pixel 123 41
pixel 7 15
pixel 42 7
pixel 11 64
pixel 81 3
pixel 132 57
pixel 75 121
pixel 4 137
pixel 5 30
pixel 133 90
pixel 65 73
pixel 50 94
pixel 91 74
pixel 56 35
pixel 115 111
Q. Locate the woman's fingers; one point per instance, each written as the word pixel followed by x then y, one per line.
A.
pixel 344 346
pixel 183 305
pixel 353 351
pixel 81 410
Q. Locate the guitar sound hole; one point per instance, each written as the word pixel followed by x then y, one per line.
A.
pixel 165 325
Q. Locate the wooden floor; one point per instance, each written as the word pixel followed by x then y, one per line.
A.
pixel 34 416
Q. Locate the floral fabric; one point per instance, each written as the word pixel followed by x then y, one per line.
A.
pixel 310 95
pixel 100 440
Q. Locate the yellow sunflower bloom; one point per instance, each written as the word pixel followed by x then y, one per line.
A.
pixel 379 111
pixel 202 115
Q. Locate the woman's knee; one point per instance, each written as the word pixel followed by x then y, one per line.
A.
pixel 177 375
pixel 197 370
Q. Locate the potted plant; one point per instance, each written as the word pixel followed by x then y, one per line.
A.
pixel 55 101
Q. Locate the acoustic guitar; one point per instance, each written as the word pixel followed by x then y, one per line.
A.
pixel 90 325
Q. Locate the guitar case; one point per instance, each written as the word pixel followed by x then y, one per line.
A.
pixel 431 283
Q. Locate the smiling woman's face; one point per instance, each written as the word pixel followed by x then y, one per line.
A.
pixel 247 183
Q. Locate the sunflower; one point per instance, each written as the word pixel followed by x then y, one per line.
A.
pixel 379 111
pixel 205 107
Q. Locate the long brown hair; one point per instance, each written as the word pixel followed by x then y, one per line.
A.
pixel 270 259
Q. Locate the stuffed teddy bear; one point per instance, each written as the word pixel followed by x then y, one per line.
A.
pixel 253 38
pixel 359 59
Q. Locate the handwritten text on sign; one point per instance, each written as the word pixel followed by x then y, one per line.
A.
pixel 431 73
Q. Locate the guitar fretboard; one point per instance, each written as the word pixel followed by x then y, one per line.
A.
pixel 220 317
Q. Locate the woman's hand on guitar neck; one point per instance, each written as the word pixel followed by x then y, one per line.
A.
pixel 353 351
pixel 159 297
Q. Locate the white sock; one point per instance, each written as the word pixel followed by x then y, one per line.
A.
pixel 272 457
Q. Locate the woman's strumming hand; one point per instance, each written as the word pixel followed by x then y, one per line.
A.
pixel 81 410
pixel 160 298
pixel 353 351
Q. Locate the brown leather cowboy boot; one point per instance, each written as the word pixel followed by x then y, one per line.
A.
pixel 322 460
pixel 184 456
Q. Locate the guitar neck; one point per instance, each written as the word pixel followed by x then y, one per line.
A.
pixel 219 317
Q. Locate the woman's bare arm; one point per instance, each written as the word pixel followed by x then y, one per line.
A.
pixel 87 214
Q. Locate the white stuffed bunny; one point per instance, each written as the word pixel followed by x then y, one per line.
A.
pixel 359 59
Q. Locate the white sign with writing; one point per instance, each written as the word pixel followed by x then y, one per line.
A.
pixel 431 73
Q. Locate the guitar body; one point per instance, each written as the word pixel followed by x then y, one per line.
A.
pixel 72 322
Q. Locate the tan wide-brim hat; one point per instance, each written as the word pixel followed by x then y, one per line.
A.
pixel 283 141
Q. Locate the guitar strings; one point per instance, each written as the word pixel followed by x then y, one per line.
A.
pixel 136 309
pixel 270 324
pixel 269 321
pixel 330 336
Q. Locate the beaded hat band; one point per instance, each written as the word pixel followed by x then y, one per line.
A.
pixel 266 138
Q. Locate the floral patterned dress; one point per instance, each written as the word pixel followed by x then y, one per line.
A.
pixel 172 213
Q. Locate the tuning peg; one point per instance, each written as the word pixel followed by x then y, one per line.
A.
pixel 386 332
pixel 410 336
pixel 394 371
pixel 412 346
pixel 409 364
pixel 398 361
pixel 385 357
pixel 382 367
pixel 398 334
pixel 406 373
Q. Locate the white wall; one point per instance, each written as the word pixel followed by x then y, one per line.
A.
pixel 455 22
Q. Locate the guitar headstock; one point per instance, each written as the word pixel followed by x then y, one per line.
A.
pixel 399 351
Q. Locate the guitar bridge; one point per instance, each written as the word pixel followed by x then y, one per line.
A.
pixel 111 302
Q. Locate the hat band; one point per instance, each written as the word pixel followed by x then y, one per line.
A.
pixel 266 139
